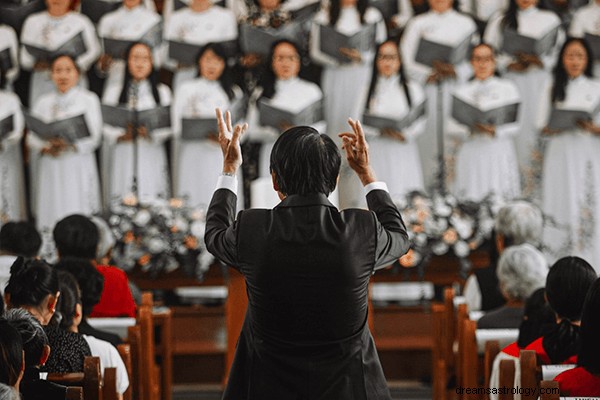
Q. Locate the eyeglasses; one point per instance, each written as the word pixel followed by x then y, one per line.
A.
pixel 286 58
pixel 482 59
pixel 388 57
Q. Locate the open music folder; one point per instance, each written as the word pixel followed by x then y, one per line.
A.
pixel 153 118
pixel 429 51
pixel 96 9
pixel 7 125
pixel 260 40
pixel 381 122
pixel 70 129
pixel 74 47
pixel 117 48
pixel 6 62
pixel 15 13
pixel 276 117
pixel 514 43
pixel 331 41
pixel 196 128
pixel 469 114
pixel 594 42
pixel 564 119
pixel 187 53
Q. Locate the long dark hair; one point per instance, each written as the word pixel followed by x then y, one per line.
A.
pixel 374 75
pixel 426 7
pixel 268 78
pixel 226 78
pixel 335 10
pixel 11 353
pixel 561 78
pixel 70 296
pixel 127 81
pixel 589 353
pixel 510 16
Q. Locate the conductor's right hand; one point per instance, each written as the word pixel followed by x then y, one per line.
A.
pixel 229 139
pixel 357 152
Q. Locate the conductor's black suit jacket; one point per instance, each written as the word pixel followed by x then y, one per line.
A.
pixel 307 267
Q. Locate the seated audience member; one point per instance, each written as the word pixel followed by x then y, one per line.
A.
pixel 584 381
pixel 538 319
pixel 521 270
pixel 11 355
pixel 77 236
pixel 37 351
pixel 91 283
pixel 33 286
pixel 68 316
pixel 516 223
pixel 16 239
pixel 8 393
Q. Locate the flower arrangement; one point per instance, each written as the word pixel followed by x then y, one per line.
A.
pixel 440 224
pixel 160 236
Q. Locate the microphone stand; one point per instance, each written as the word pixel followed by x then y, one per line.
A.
pixel 133 99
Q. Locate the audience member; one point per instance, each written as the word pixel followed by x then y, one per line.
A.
pixel 34 286
pixel 521 270
pixel 16 239
pixel 538 319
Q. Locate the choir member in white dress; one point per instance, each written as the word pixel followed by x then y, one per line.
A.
pixel 129 23
pixel 444 25
pixel 196 161
pixel 571 175
pixel 49 30
pixel 587 21
pixel 9 61
pixel 486 162
pixel 65 176
pixel 529 72
pixel 405 13
pixel 281 87
pixel 341 82
pixel 200 23
pixel 12 188
pixel 395 153
pixel 140 91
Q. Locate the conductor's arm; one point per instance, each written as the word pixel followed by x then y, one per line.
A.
pixel 221 232
pixel 392 239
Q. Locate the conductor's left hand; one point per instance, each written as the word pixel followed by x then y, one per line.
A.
pixel 229 139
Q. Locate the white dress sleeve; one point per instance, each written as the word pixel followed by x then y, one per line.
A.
pixel 405 13
pixel 159 136
pixel 408 50
pixel 92 45
pixel 93 117
pixel 13 46
pixel 111 97
pixel 16 135
pixel 27 61
pixel 315 41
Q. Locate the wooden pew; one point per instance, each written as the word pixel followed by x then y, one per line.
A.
pixel 443 358
pixel 492 348
pixel 134 336
pixel 89 380
pixel 125 353
pixel 506 378
pixel 550 390
pixel 530 373
pixel 109 384
pixel 74 393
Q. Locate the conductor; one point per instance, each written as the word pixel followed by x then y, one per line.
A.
pixel 307 268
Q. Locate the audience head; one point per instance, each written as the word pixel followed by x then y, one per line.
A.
pixel 106 241
pixel 76 236
pixel 33 285
pixel 303 161
pixel 11 355
pixel 538 318
pixel 89 280
pixel 64 72
pixel 521 270
pixel 483 61
pixel 212 66
pixel 8 393
pixel 575 59
pixel 20 239
pixel 589 352
pixel 517 223
pixel 68 310
pixel 33 336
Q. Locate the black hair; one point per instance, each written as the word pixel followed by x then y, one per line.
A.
pixel 374 75
pixel 90 281
pixel 509 20
pixel 426 7
pixel 11 354
pixel 70 296
pixel 20 239
pixel 538 319
pixel 69 56
pixel 335 10
pixel 31 281
pixel 76 236
pixel 256 2
pixel 32 333
pixel 226 78
pixel 567 284
pixel 561 78
pixel 589 353
pixel 128 79
pixel 305 161
pixel 268 78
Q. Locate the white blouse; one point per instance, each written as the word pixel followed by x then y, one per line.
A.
pixel 8 40
pixel 11 105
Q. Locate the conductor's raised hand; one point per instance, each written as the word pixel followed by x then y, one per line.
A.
pixel 357 152
pixel 229 140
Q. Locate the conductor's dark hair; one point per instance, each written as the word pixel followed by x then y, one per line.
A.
pixel 268 78
pixel 226 78
pixel 335 10
pixel 90 281
pixel 128 79
pixel 567 284
pixel 305 162
pixel 561 78
pixel 589 352
pixel 67 302
pixel 20 239
pixel 32 334
pixel 76 236
pixel 11 354
pixel 30 282
pixel 402 81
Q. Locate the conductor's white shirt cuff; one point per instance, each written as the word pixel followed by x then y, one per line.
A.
pixel 227 182
pixel 378 185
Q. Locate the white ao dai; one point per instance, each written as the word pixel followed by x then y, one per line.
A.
pixel 9 41
pixel 12 188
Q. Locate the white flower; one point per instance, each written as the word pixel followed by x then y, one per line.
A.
pixel 421 239
pixel 180 224
pixel 156 245
pixel 461 249
pixel 142 218
pixel 197 229
pixel 463 226
pixel 439 248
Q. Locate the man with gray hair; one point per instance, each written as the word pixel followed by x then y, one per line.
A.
pixel 522 269
pixel 517 222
